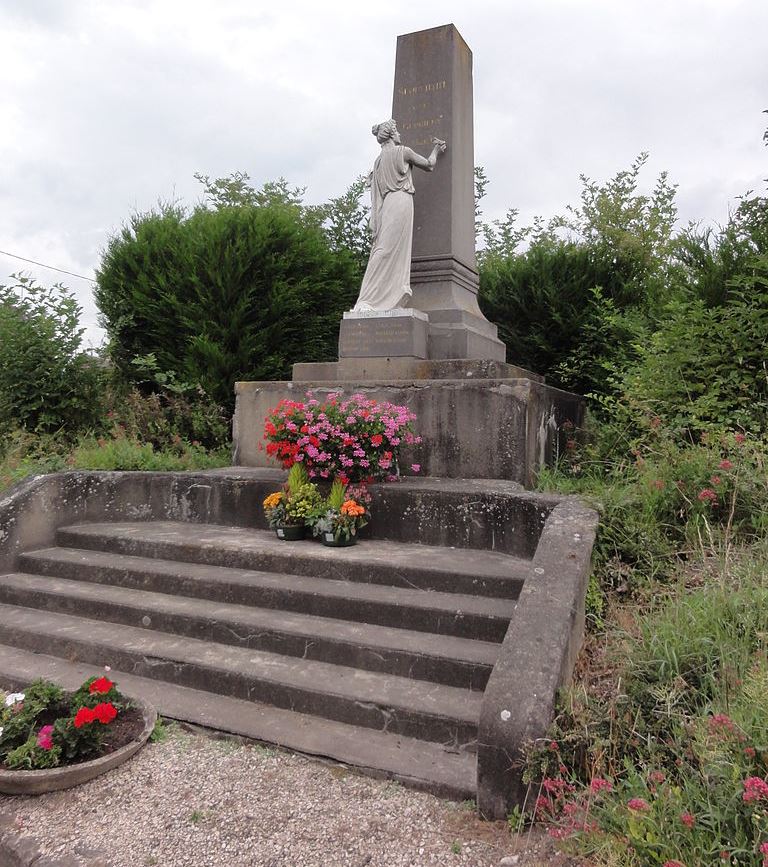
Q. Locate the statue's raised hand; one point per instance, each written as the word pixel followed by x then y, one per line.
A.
pixel 440 144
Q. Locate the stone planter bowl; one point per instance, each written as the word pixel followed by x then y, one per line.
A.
pixel 52 779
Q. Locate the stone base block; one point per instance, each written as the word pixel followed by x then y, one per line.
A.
pixel 471 429
pixel 399 332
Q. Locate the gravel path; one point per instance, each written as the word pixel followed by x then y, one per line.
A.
pixel 195 801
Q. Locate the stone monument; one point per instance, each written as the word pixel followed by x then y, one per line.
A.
pixel 417 335
pixel 432 102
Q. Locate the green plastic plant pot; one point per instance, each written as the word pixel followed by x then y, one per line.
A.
pixel 291 533
pixel 329 540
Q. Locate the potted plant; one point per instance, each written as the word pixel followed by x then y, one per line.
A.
pixel 287 510
pixel 339 518
pixel 51 739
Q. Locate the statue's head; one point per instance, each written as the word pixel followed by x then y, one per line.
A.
pixel 386 131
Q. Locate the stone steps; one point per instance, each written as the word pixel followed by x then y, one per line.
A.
pixel 413 762
pixel 456 614
pixel 387 646
pixel 434 712
pixel 406 653
pixel 421 567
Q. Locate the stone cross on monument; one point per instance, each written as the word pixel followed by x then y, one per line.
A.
pixel 433 100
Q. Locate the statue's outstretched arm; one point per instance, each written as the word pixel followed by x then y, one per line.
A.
pixel 426 163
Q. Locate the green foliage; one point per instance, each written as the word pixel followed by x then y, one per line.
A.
pixel 46 381
pixel 564 309
pixel 336 496
pixel 301 503
pixel 214 296
pixel 576 307
pixel 297 478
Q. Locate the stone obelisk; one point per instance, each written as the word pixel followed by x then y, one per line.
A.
pixel 433 97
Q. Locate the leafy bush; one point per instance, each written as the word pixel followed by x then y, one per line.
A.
pixel 705 367
pixel 214 296
pixel 47 383
pixel 575 308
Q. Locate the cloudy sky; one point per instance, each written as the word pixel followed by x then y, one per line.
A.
pixel 106 107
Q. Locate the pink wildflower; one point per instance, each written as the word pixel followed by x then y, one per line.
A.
pixel 688 819
pixel 656 777
pixel 638 804
pixel 600 785
pixel 739 437
pixel 755 789
pixel 673 863
pixel 416 467
pixel 715 480
pixel 725 464
pixel 707 495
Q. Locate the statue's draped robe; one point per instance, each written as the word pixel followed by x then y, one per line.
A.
pixel 387 280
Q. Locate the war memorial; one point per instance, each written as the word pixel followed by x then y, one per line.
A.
pixel 431 652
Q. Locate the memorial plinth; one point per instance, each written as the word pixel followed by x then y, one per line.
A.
pixel 401 332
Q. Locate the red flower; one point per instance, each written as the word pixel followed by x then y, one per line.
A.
pixel 739 437
pixel 673 864
pixel 725 464
pixel 688 819
pixel 377 440
pixel 708 495
pixel 83 717
pixel 600 785
pixel 105 712
pixel 101 685
pixel 638 804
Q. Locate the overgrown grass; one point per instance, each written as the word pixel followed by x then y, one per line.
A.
pixel 23 455
pixel 659 754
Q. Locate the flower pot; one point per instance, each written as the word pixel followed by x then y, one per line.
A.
pixel 329 540
pixel 17 782
pixel 291 532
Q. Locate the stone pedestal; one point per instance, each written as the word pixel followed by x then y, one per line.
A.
pixel 473 427
pixel 401 332
pixel 433 97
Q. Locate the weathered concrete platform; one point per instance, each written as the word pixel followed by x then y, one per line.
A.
pixel 428 653
pixel 514 426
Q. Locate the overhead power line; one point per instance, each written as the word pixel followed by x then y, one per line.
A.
pixel 50 267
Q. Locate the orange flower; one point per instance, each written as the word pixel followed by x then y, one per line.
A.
pixel 352 509
pixel 273 500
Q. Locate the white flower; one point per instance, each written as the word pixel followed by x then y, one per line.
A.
pixel 13 698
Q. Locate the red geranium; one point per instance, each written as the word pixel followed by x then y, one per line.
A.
pixel 105 712
pixel 83 716
pixel 101 685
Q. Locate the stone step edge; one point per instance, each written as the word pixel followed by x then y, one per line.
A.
pixel 477 606
pixel 417 764
pixel 126 606
pixel 502 573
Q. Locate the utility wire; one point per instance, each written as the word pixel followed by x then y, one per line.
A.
pixel 43 265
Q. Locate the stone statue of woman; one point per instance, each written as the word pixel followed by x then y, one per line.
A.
pixel 387 280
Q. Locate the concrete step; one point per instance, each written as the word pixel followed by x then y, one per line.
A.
pixel 397 705
pixel 461 615
pixel 422 567
pixel 416 763
pixel 420 655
